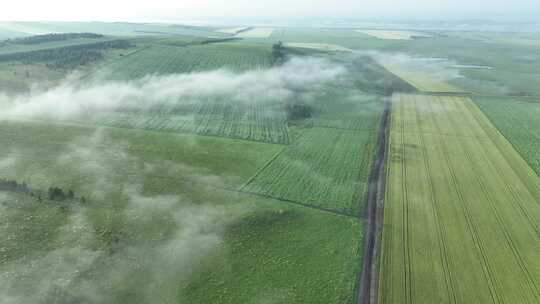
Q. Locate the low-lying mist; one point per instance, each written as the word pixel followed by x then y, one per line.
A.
pixel 122 245
pixel 72 99
pixel 444 70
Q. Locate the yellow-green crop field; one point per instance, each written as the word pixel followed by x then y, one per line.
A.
pixel 394 35
pixel 462 209
pixel 258 32
pixel 423 81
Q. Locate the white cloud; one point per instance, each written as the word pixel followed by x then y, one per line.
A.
pixel 70 100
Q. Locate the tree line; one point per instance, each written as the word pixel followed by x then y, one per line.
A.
pixel 37 39
pixel 53 193
pixel 68 57
pixel 278 53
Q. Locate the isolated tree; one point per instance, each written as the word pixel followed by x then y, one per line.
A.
pixel 56 194
pixel 278 53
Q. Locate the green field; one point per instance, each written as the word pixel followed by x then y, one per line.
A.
pixel 207 167
pixel 456 191
pixel 12 48
pixel 120 171
pixel 327 168
pixel 350 110
pixel 257 122
pixel 517 119
pixel 165 59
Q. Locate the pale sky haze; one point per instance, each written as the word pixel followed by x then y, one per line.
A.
pixel 170 10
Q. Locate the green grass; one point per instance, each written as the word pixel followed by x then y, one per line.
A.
pixel 347 109
pixel 456 189
pixel 277 245
pixel 26 219
pixel 152 197
pixel 17 77
pixel 163 60
pixel 327 168
pixel 517 119
pixel 273 251
pixel 235 162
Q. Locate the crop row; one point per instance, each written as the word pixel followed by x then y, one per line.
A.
pixel 326 168
pixel 256 122
pixel 518 122
pixel 453 198
pixel 163 59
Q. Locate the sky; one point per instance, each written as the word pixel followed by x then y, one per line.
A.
pixel 171 10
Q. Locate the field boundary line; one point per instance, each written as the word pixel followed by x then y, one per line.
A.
pixel 346 129
pixel 284 200
pixel 515 201
pixel 497 144
pixel 266 165
pixel 496 132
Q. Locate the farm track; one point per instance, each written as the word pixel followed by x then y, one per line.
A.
pixel 369 278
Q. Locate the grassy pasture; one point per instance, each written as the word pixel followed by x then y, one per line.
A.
pixel 272 249
pixel 461 209
pixel 46 141
pixel 272 245
pixel 291 265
